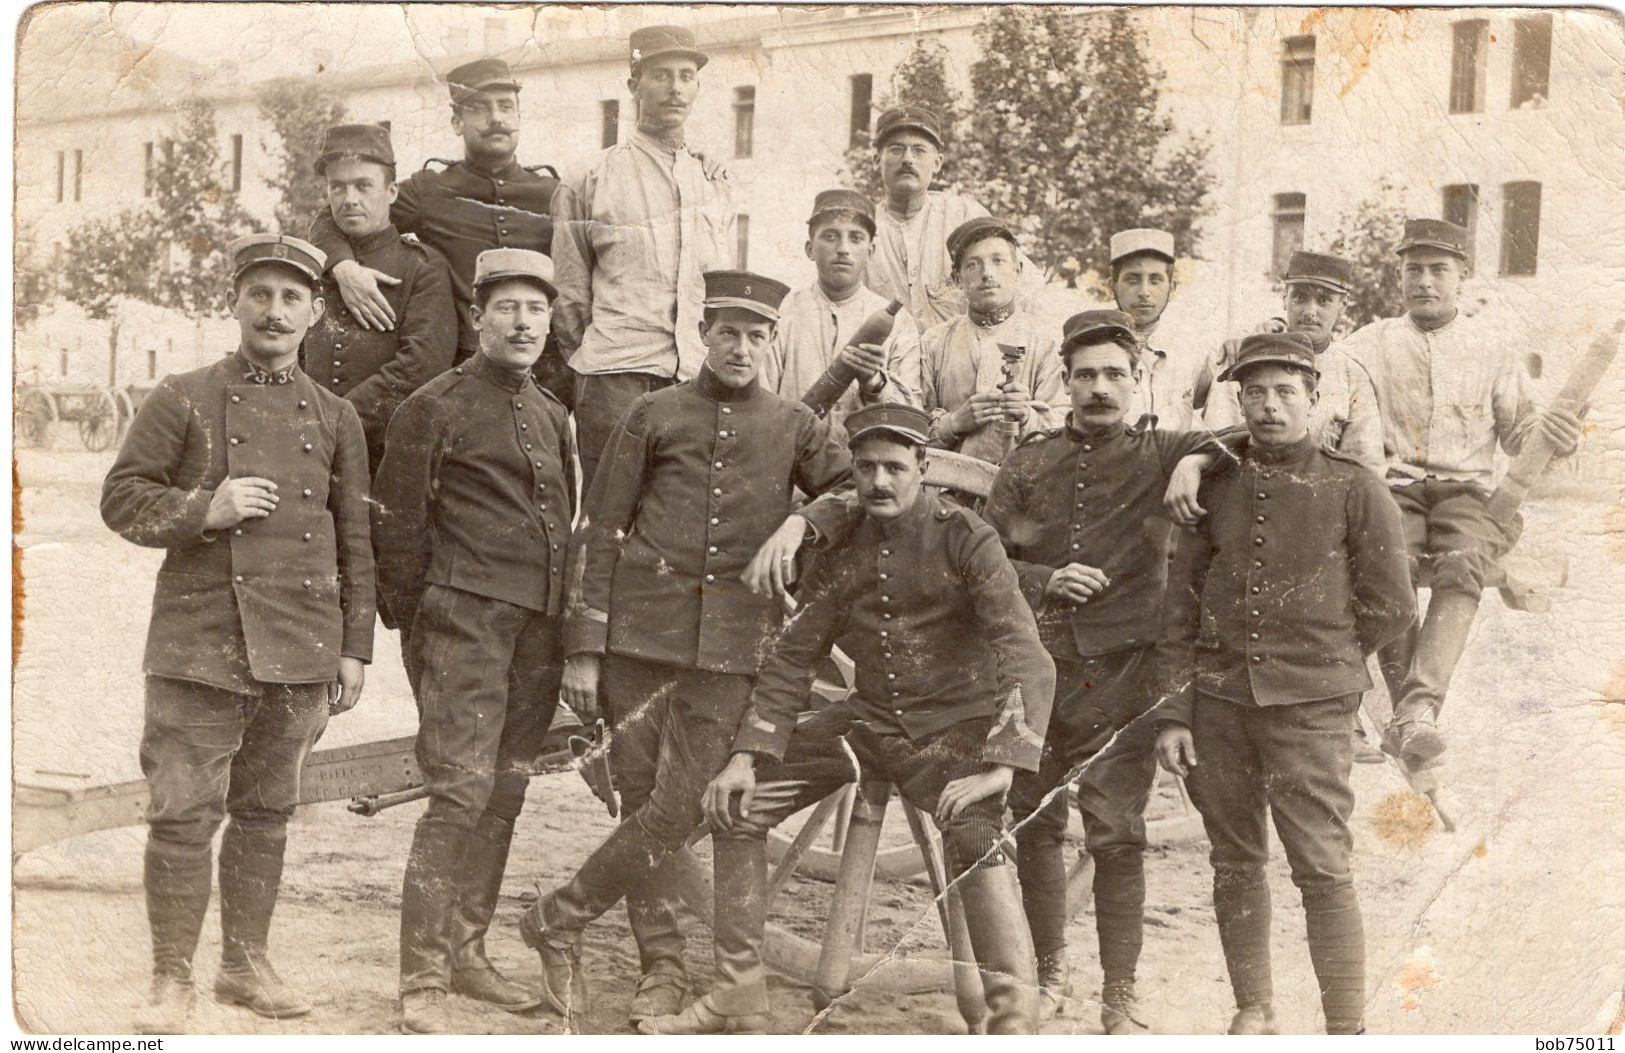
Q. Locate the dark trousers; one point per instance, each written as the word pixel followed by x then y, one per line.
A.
pixel 1291 764
pixel 601 400
pixel 207 753
pixel 1096 698
pixel 487 683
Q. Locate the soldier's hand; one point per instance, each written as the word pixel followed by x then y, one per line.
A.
pixel 1179 500
pixel 1561 428
pixel 962 793
pixel 1075 583
pixel 714 168
pixel 358 287
pixel 1271 325
pixel 773 569
pixel 1016 402
pixel 345 692
pixel 246 497
pixel 977 412
pixel 580 684
pixel 864 359
pixel 739 776
pixel 1176 749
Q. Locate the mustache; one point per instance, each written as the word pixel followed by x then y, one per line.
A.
pixel 275 327
pixel 1104 402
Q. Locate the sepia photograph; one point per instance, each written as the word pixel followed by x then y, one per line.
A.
pixel 864 519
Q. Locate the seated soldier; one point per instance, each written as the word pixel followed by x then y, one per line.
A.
pixel 953 694
pixel 1291 580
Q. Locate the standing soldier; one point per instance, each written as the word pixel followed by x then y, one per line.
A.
pixel 487 200
pixel 377 368
pixel 472 512
pixel 912 261
pixel 1079 510
pixel 1346 417
pixel 695 478
pixel 254 480
pixel 636 233
pixel 1173 378
pixel 1296 575
pixel 816 323
pixel 991 375
pixel 953 695
pixel 1451 389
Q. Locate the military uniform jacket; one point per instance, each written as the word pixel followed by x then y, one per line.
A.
pixel 1091 495
pixel 475 492
pixel 377 370
pixel 929 610
pixel 462 210
pixel 275 600
pixel 1297 573
pixel 693 480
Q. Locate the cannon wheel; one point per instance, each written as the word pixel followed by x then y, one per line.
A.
pixel 100 424
pixel 32 417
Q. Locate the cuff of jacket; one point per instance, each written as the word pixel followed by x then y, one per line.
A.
pixel 358 638
pixel 762 737
pixel 942 433
pixel 586 631
pixel 1008 747
pixel 1033 578
pixel 1176 707
pixel 823 512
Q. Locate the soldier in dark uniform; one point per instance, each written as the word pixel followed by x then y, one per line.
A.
pixel 1294 577
pixel 472 510
pixel 487 200
pixel 254 480
pixel 953 695
pixel 694 479
pixel 1079 510
pixel 377 368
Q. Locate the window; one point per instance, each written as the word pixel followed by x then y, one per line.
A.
pixel 742 241
pixel 152 363
pixel 61 176
pixel 1461 208
pixel 1520 228
pixel 1531 61
pixel 236 163
pixel 1298 80
pixel 609 122
pixel 1467 62
pixel 78 173
pixel 62 361
pixel 1288 239
pixel 863 92
pixel 744 121
pixel 146 172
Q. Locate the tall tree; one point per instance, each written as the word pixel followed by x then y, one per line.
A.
pixel 298 110
pixel 1067 139
pixel 171 250
pixel 921 79
pixel 1367 236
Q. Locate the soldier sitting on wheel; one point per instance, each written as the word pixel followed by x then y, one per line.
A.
pixel 1294 576
pixel 953 695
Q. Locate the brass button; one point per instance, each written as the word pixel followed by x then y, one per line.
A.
pixel 1087 448
pixel 1262 495
pixel 307 583
pixel 1080 486
pixel 523 426
pixel 238 577
pixel 715 520
pixel 717 491
pixel 236 398
pixel 891 676
pixel 1254 613
pixel 238 532
pixel 303 403
pixel 307 491
pixel 1076 546
pixel 884 634
pixel 885 552
pixel 1260 519
pixel 235 440
pixel 712 550
pixel 518 405
pixel 727 409
pixel 885 599
pixel 527 445
pixel 883 575
pixel 1258 541
pixel 885 617
pixel 1252 636
pixel 308 447
pixel 710 577
pixel 1258 658
pixel 337 363
pixel 1255 590
pixel 307 537
pixel 539 464
pixel 717 465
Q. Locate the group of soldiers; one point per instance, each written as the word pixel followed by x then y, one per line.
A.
pixel 1186 554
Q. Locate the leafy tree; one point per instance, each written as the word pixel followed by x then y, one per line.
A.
pixel 171 250
pixel 1367 236
pixel 1067 141
pixel 298 111
pixel 33 283
pixel 921 79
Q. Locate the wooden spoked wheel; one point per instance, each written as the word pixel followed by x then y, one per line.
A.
pixel 99 423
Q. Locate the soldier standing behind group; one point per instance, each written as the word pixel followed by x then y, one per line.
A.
pixel 636 232
pixel 472 510
pixel 254 480
pixel 1174 378
pixel 1292 579
pixel 377 368
pixel 486 200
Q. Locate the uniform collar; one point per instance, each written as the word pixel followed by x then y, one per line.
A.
pixel 707 384
pixel 376 240
pixel 1278 455
pixel 1436 329
pixel 504 378
pixel 1093 432
pixel 256 375
pixel 908 522
pixel 507 170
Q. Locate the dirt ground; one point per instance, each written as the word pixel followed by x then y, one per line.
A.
pixel 1515 923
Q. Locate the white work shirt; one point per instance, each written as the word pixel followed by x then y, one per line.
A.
pixel 960 359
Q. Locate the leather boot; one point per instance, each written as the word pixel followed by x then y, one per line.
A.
pixel 1414 734
pixel 178 881
pixel 1004 948
pixel 702 1018
pixel 740 987
pixel 663 988
pixel 564 981
pixel 1241 902
pixel 428 895
pixel 1254 1020
pixel 1119 893
pixel 250 879
pixel 424 1013
pixel 1054 984
pixel 1337 949
pixel 485 860
pixel 168 1010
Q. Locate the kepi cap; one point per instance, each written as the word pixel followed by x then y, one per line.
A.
pixel 753 292
pixel 1433 234
pixel 369 142
pixel 909 423
pixel 653 41
pixel 921 119
pixel 302 256
pixel 497 264
pixel 1094 323
pixel 829 201
pixel 1318 268
pixel 471 78
pixel 1142 239
pixel 1287 349
pixel 973 230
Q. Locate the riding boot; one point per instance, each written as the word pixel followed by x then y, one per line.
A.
pixel 740 865
pixel 663 988
pixel 250 878
pixel 177 878
pixel 1241 901
pixel 1337 949
pixel 1004 948
pixel 428 897
pixel 1119 891
pixel 484 861
pixel 1413 734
